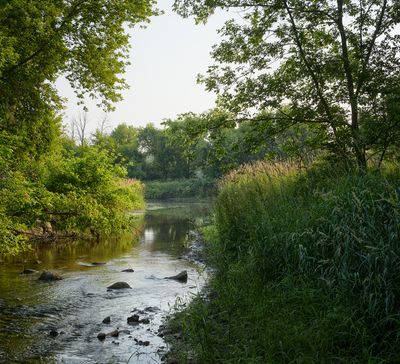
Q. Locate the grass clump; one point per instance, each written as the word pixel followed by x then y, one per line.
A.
pixel 306 269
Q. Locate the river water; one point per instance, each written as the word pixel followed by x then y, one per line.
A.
pixel 75 307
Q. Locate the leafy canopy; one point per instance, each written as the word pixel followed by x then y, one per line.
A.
pixel 334 64
pixel 85 40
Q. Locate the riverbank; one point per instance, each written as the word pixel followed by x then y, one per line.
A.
pixel 306 269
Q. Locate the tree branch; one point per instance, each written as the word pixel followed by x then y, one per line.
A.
pixel 377 31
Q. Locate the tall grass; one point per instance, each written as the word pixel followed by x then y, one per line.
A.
pixel 343 232
pixel 307 269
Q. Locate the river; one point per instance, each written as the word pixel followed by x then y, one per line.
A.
pixel 58 322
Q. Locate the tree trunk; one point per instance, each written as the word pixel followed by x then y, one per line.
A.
pixel 358 145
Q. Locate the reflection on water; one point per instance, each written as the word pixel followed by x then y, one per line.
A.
pixel 76 306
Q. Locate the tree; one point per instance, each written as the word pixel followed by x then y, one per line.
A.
pixel 162 158
pixel 79 125
pixel 212 142
pixel 85 40
pixel 334 64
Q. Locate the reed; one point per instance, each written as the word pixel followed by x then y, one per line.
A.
pixel 307 267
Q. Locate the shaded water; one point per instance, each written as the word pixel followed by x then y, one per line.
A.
pixel 76 305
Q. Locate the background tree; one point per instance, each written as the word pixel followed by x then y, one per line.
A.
pixel 333 64
pixel 163 159
pixel 79 125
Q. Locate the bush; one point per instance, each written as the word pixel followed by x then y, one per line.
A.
pixel 77 192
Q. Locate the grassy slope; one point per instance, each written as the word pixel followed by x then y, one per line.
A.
pixel 307 270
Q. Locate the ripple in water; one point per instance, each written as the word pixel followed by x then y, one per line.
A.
pixel 59 322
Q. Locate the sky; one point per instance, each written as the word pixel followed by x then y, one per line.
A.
pixel 165 60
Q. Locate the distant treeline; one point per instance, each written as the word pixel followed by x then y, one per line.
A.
pixel 171 152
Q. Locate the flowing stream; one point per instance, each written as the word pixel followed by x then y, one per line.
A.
pixel 58 322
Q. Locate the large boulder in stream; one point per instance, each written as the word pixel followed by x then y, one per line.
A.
pixel 48 276
pixel 119 285
pixel 180 277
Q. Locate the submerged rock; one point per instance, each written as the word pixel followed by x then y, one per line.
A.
pixel 114 333
pixel 128 270
pixel 29 271
pixel 119 285
pixel 133 320
pixel 107 320
pixel 144 321
pixel 48 276
pixel 180 277
pixel 98 263
pixel 53 333
pixel 142 343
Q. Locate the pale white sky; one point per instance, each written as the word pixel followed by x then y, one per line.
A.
pixel 165 60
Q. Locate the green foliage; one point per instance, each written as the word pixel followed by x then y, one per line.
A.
pixel 11 243
pixel 190 187
pixel 205 146
pixel 147 153
pixel 341 231
pixel 90 192
pixel 333 65
pixel 77 192
pixel 215 143
pixel 306 269
pixel 84 40
pixel 248 321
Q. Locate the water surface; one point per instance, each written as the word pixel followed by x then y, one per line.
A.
pixel 76 305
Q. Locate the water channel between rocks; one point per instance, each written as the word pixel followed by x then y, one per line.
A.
pixel 76 306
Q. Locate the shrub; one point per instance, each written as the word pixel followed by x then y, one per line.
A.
pixel 79 191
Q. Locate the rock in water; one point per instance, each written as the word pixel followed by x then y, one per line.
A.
pixel 53 333
pixel 48 276
pixel 101 336
pixel 129 270
pixel 132 320
pixel 107 320
pixel 114 333
pixel 98 263
pixel 142 343
pixel 181 277
pixel 29 271
pixel 119 285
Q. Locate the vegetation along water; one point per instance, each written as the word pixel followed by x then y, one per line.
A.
pixel 301 153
